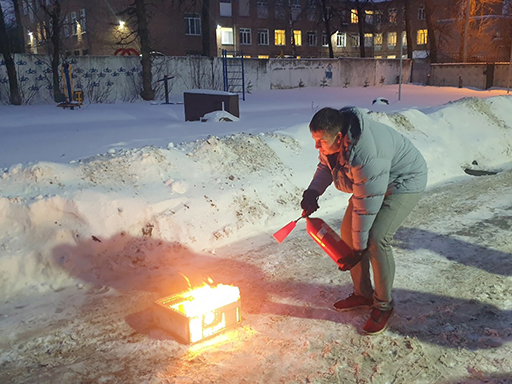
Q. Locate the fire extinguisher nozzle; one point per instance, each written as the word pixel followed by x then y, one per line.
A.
pixel 285 231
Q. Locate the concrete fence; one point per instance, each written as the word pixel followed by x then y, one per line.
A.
pixel 476 75
pixel 108 79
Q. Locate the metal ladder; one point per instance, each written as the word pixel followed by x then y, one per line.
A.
pixel 233 72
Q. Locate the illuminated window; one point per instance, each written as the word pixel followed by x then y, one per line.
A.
pixel 368 39
pixel 391 56
pixel 263 37
pixel 341 40
pixel 297 37
pixel 226 36
pixel 422 37
pixel 279 37
pixel 404 38
pixel 312 38
pixel 377 40
pixel 391 39
pixel 245 36
pixel 192 25
pixel 353 16
pixel 263 56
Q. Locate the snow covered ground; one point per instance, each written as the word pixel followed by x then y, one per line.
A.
pixel 106 208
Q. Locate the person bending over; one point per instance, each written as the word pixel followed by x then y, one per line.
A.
pixel 386 175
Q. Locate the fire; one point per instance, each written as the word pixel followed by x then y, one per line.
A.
pixel 206 298
pixel 201 312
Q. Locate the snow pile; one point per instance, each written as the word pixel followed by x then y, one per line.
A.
pixel 61 225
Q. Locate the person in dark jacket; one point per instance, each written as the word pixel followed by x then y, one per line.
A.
pixel 386 175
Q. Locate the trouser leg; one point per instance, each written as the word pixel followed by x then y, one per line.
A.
pixel 394 210
pixel 360 273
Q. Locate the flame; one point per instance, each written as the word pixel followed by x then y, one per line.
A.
pixel 205 299
pixel 200 306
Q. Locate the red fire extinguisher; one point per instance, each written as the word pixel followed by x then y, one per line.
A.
pixel 330 242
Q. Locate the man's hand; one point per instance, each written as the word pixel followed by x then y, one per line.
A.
pixel 309 202
pixel 350 261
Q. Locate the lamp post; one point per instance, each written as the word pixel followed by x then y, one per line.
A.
pixel 509 68
pixel 400 73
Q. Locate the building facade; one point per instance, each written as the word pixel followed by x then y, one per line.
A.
pixel 276 28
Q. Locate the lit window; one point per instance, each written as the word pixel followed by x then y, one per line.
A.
pixel 391 39
pixel 312 39
pixel 422 36
pixel 404 38
pixel 192 25
pixel 245 36
pixel 263 37
pixel 391 56
pixel 226 36
pixel 377 39
pixel 297 37
pixel 279 37
pixel 263 56
pixel 341 40
pixel 353 16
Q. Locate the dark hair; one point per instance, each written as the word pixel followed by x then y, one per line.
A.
pixel 327 119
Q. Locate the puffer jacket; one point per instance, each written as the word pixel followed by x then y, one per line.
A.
pixel 375 161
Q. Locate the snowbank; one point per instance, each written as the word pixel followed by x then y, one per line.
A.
pixel 55 220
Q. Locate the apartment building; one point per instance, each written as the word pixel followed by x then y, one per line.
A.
pixel 269 28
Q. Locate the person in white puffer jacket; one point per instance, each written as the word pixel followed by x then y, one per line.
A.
pixel 386 175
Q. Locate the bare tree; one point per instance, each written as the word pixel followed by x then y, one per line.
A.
pixel 14 95
pixel 431 31
pixel 143 31
pixel 138 19
pixel 476 29
pixel 326 14
pixel 53 25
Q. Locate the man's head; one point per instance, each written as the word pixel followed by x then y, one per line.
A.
pixel 326 128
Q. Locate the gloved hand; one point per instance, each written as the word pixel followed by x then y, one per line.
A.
pixel 350 261
pixel 309 202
